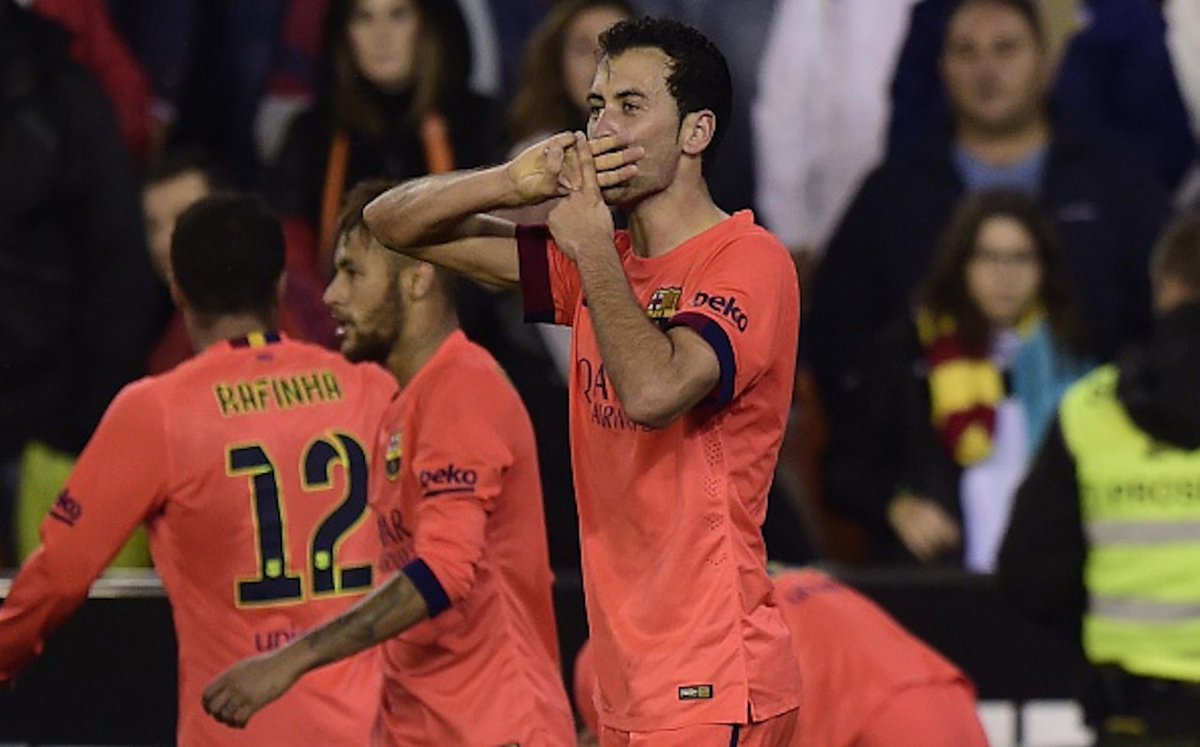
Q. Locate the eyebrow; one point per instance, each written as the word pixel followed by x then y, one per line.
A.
pixel 622 94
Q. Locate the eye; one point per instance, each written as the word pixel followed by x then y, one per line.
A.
pixel 594 111
pixel 629 107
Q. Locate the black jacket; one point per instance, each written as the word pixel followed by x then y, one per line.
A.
pixel 294 183
pixel 1041 561
pixel 1107 205
pixel 885 441
pixel 77 296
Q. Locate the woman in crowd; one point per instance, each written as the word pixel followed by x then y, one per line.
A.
pixel 956 399
pixel 395 104
pixel 557 69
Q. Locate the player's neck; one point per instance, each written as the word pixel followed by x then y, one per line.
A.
pixel 205 333
pixel 416 345
pixel 665 220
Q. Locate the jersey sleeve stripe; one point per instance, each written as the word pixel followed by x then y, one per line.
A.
pixel 715 336
pixel 436 599
pixel 532 244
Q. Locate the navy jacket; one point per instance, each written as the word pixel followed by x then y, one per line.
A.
pixel 1116 72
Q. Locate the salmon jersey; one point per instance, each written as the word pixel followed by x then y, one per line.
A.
pixel 248 465
pixel 854 659
pixel 847 683
pixel 679 604
pixel 459 508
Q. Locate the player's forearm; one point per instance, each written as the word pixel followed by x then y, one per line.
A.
pixel 638 357
pixel 430 209
pixel 388 611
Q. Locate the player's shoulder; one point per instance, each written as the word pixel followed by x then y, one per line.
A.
pixel 467 372
pixel 143 400
pixel 749 243
pixel 143 390
pixel 473 362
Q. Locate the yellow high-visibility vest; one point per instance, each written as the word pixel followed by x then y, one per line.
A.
pixel 1140 504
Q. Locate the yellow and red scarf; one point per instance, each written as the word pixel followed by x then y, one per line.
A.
pixel 965 387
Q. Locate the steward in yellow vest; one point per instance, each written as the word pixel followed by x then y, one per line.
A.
pixel 1104 538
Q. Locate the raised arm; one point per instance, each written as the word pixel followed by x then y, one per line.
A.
pixel 442 218
pixel 658 375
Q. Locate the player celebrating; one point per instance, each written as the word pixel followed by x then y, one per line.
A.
pixel 248 464
pixel 460 513
pixel 685 331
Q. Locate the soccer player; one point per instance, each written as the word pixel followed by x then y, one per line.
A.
pixel 866 681
pixel 248 465
pixel 685 330
pixel 470 648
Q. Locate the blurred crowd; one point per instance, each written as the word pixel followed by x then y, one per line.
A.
pixel 971 199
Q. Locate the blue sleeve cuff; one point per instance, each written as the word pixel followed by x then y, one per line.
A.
pixel 715 336
pixel 428 586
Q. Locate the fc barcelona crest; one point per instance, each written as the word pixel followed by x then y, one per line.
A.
pixel 393 456
pixel 664 302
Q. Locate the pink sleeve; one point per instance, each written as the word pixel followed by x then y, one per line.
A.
pixel 117 482
pixel 550 284
pixel 745 303
pixel 460 458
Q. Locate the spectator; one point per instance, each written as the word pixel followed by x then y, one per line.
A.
pixel 208 62
pixel 1105 203
pixel 822 112
pixel 171 186
pixel 866 681
pixel 1103 544
pixel 929 459
pixel 557 68
pixel 291 82
pixel 395 105
pixel 97 46
pixel 1114 73
pixel 76 289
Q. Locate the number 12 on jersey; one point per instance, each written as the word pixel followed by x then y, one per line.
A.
pixel 274 583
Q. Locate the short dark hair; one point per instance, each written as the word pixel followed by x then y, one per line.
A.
pixel 1177 253
pixel 699 77
pixel 356 199
pixel 1025 8
pixel 944 290
pixel 351 219
pixel 227 255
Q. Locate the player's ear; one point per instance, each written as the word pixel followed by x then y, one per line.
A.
pixel 697 131
pixel 421 280
pixel 177 296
